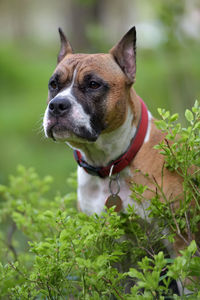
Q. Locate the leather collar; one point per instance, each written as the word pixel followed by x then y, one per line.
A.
pixel 125 159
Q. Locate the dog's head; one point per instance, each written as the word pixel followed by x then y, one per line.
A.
pixel 88 93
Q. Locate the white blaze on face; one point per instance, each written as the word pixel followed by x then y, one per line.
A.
pixel 77 113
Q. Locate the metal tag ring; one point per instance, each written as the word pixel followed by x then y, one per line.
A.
pixel 116 180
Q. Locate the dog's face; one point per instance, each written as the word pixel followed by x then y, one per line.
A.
pixel 88 92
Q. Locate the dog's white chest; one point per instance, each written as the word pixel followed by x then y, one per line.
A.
pixel 93 192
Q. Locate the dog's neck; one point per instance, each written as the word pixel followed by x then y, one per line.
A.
pixel 110 146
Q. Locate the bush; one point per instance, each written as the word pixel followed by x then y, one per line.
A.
pixel 50 251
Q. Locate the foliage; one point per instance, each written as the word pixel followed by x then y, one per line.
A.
pixel 23 103
pixel 50 251
pixel 182 155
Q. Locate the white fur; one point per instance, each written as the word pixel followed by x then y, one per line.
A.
pixel 77 113
pixel 92 190
pixel 111 145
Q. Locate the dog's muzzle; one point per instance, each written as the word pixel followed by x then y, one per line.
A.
pixel 65 119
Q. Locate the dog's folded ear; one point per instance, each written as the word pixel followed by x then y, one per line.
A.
pixel 65 46
pixel 125 54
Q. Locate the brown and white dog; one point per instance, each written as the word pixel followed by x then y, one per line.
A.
pixel 94 109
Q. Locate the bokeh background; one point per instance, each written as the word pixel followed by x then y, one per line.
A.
pixel 168 65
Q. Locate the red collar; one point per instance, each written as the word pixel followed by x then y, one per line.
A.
pixel 125 159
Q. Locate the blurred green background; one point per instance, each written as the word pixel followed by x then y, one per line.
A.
pixel 168 66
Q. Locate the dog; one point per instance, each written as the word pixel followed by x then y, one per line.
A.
pixel 93 107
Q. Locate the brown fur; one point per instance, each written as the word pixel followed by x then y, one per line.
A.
pixel 148 160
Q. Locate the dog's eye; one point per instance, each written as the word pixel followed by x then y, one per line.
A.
pixel 94 85
pixel 53 85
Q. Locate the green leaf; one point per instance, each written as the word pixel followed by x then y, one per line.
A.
pixel 192 248
pixel 166 115
pixel 189 115
pixel 48 214
pixel 135 274
pixel 174 117
pixel 197 125
pixel 161 111
pixel 161 124
pixel 195 267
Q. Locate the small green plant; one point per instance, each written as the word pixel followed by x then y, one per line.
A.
pixel 181 149
pixel 181 145
pixel 48 250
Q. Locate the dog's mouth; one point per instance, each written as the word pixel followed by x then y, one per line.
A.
pixel 67 132
pixel 50 133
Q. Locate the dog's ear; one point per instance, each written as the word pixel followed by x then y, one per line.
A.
pixel 125 54
pixel 65 46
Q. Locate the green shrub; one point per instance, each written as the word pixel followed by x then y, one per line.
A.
pixel 50 251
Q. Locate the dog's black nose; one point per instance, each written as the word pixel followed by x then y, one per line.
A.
pixel 59 106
